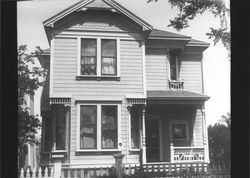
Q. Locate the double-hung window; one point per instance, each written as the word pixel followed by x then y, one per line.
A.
pixel 98 127
pixel 99 57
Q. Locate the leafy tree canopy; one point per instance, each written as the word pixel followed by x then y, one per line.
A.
pixel 188 9
pixel 219 136
pixel 29 79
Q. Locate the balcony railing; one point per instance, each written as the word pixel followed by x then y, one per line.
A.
pixel 187 154
pixel 175 85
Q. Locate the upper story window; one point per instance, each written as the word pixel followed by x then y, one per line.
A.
pixel 108 57
pixel 99 58
pixel 88 56
pixel 174 65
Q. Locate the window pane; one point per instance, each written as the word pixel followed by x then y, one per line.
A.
pixel 88 47
pixel 108 48
pixel 88 57
pixel 108 66
pixel 88 115
pixel 173 65
pixel 179 131
pixel 60 128
pixel 135 128
pixel 109 126
pixel 47 133
pixel 88 65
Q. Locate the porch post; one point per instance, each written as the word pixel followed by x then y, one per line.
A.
pixel 143 136
pixel 205 136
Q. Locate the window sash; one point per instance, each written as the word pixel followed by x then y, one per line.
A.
pixel 60 115
pixel 109 135
pixel 135 135
pixel 173 66
pixel 88 127
pixel 88 56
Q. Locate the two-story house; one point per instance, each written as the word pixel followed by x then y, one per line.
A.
pixel 117 85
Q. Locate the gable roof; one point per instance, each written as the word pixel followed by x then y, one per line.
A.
pixel 86 4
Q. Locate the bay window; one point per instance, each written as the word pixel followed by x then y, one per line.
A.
pixel 98 126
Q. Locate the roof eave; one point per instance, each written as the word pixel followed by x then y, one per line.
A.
pixel 50 22
pixel 179 98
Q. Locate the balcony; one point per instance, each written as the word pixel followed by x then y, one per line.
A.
pixel 175 85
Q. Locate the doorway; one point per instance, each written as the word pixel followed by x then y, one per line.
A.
pixel 153 139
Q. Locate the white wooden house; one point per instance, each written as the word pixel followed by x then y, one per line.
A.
pixel 117 85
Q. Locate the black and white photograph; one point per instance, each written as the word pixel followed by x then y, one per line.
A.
pixel 124 88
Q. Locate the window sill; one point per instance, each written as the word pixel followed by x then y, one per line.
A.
pixel 84 152
pixel 98 78
pixel 59 153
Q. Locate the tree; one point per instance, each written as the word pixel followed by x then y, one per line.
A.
pixel 188 9
pixel 30 78
pixel 220 139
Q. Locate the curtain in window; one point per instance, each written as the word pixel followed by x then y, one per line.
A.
pixel 109 126
pixel 88 56
pixel 88 119
pixel 108 56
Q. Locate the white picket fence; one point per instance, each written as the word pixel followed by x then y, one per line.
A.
pixel 37 173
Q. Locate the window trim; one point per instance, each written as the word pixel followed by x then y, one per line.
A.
pixel 176 61
pixel 98 59
pixel 99 136
pixel 185 122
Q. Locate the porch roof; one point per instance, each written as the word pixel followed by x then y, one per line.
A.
pixel 175 95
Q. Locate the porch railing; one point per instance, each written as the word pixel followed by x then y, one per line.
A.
pixel 187 154
pixel 175 85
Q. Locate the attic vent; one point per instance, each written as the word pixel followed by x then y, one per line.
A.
pixel 136 100
pixel 60 101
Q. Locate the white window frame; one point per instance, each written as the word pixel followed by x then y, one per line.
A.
pixel 98 56
pixel 178 122
pixel 98 128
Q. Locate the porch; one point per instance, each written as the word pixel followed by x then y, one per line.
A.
pixel 174 128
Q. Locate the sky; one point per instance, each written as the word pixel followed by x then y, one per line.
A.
pixel 216 66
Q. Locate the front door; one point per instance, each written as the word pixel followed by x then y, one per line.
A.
pixel 152 140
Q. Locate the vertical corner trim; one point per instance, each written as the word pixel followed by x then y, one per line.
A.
pixel 144 68
pixel 51 67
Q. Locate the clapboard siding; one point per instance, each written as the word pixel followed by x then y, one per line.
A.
pixel 156 69
pixel 65 71
pixel 198 128
pixel 64 82
pixel 191 72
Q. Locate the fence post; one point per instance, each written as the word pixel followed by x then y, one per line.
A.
pixel 57 169
pixel 171 153
pixel 118 164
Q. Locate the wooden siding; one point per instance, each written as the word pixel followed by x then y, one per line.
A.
pixel 65 71
pixel 191 72
pixel 64 82
pixel 157 69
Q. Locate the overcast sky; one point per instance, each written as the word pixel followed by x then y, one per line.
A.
pixel 30 30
